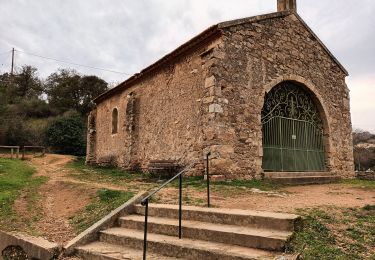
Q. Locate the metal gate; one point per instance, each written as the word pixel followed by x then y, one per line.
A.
pixel 292 131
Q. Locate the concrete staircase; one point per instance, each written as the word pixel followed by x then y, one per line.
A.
pixel 301 178
pixel 225 234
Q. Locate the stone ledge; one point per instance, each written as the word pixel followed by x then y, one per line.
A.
pixel 369 176
pixel 92 233
pixel 34 247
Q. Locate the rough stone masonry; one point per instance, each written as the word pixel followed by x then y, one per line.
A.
pixel 208 95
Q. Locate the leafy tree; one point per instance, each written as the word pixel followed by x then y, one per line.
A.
pixel 23 85
pixel 90 88
pixel 5 85
pixel 36 112
pixel 65 134
pixel 66 90
pixel 28 84
pixel 62 90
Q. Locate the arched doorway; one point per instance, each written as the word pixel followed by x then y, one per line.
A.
pixel 293 139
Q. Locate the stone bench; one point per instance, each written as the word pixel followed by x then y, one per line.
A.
pixel 163 169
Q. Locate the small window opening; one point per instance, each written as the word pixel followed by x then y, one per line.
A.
pixel 114 121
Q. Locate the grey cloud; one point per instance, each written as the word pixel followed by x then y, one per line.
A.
pixel 127 35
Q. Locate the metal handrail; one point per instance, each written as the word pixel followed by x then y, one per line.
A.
pixel 165 184
pixel 146 200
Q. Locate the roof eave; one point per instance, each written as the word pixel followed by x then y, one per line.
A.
pixel 199 39
pixel 279 15
pixel 212 31
pixel 322 44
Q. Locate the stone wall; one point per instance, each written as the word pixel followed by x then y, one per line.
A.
pixel 369 176
pixel 91 138
pixel 160 118
pixel 24 245
pixel 253 58
pixel 210 100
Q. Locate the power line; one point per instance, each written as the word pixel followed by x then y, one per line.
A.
pixel 72 63
pixel 4 60
pixel 3 53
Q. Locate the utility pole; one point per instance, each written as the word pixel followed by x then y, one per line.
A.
pixel 12 69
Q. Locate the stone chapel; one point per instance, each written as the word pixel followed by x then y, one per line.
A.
pixel 263 95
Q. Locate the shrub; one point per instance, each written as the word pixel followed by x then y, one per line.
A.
pixel 66 134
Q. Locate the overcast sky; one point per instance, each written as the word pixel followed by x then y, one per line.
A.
pixel 128 35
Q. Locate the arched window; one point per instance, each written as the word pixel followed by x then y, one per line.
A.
pixel 114 121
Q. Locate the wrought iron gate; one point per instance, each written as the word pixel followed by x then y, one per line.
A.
pixel 292 131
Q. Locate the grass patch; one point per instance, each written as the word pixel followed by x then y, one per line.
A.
pixel 16 178
pixel 88 172
pixel 115 175
pixel 336 234
pixel 131 181
pixel 102 204
pixel 364 184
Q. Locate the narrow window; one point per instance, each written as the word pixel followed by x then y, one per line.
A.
pixel 114 121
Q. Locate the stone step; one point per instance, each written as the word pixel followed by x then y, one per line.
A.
pixel 105 251
pixel 247 218
pixel 229 234
pixel 306 180
pixel 270 175
pixel 182 248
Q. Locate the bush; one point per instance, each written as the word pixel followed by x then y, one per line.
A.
pixel 66 134
pixel 37 130
pixel 16 132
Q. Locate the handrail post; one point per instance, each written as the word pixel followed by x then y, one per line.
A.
pixel 180 209
pixel 145 231
pixel 145 202
pixel 208 178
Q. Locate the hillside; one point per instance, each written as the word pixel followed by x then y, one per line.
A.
pixel 364 150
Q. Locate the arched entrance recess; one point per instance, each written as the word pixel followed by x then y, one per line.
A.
pixel 292 128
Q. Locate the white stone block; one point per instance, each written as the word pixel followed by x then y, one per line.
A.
pixel 216 108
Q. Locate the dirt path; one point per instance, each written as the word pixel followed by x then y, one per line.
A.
pixel 287 200
pixel 61 197
pixel 291 198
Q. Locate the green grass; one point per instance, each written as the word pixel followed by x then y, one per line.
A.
pixel 113 175
pixel 336 234
pixel 97 173
pixel 137 181
pixel 102 204
pixel 368 185
pixel 16 178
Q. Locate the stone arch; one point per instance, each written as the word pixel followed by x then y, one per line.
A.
pixel 319 102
